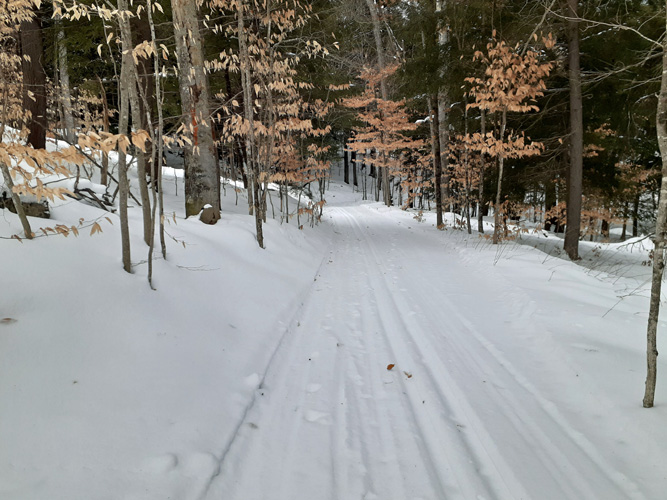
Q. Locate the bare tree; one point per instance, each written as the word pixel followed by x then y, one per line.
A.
pixel 660 228
pixel 126 81
pixel 131 88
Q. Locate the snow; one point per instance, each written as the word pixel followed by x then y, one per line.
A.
pixel 262 374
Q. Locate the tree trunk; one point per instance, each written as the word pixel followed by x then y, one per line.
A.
pixel 123 122
pixel 105 125
pixel 157 147
pixel 27 231
pixel 251 146
pixel 443 117
pixel 624 233
pixel 466 164
pixel 353 160
pixel 501 164
pixel 480 211
pixel 635 216
pixel 141 30
pixel 34 80
pixel 201 169
pixel 604 229
pixel 660 228
pixel 437 165
pixel 571 244
pixel 131 89
pixel 66 96
pixel 346 167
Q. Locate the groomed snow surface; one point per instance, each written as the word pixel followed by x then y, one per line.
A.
pixel 263 374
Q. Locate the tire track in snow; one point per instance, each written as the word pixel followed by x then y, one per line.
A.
pixel 578 469
pixel 382 464
pixel 448 477
pixel 470 482
pixel 275 453
pixel 374 425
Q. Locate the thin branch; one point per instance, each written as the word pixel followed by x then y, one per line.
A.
pixel 622 27
pixel 537 27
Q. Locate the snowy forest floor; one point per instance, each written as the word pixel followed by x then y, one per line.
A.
pixel 263 374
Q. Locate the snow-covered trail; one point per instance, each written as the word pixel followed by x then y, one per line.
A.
pixel 456 418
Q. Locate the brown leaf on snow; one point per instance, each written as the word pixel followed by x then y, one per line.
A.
pixel 390 366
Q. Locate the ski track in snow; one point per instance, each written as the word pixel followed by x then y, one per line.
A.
pixel 454 418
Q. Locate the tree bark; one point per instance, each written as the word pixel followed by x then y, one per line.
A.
pixel 480 210
pixel 27 231
pixel 571 243
pixel 604 229
pixel 660 228
pixel 635 216
pixel 123 122
pixel 353 160
pixel 466 163
pixel 501 164
pixel 34 80
pixel 65 93
pixel 104 174
pixel 141 31
pixel 133 96
pixel 157 147
pixel 251 146
pixel 346 167
pixel 201 169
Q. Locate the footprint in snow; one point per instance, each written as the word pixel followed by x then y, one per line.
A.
pixel 199 464
pixel 252 381
pixel 161 465
pixel 318 417
pixel 585 347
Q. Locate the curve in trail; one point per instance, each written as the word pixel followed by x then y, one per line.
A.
pixel 454 419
